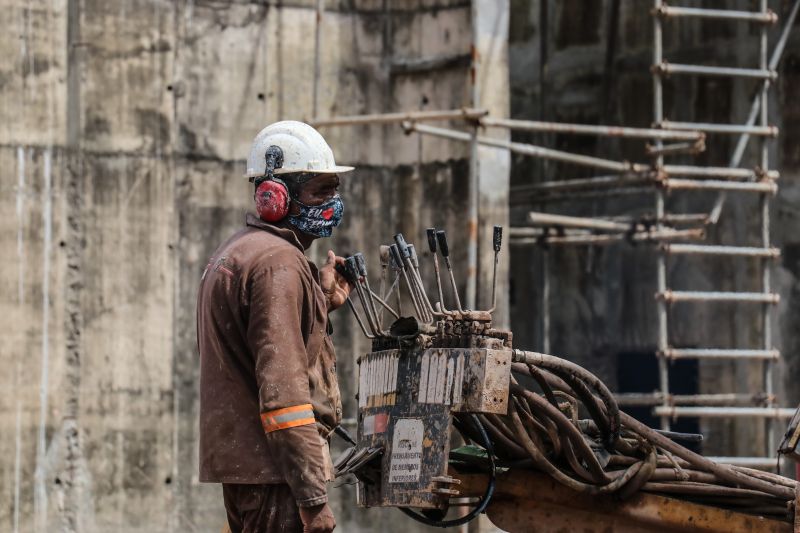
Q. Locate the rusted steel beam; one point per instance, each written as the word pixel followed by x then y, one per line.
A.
pixel 531 501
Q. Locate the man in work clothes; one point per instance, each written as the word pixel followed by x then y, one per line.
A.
pixel 269 399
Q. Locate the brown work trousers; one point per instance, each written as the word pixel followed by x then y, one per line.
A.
pixel 261 509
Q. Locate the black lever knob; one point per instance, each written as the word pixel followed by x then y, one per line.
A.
pixel 361 264
pixel 431 239
pixel 402 246
pixel 398 260
pixel 497 237
pixel 441 237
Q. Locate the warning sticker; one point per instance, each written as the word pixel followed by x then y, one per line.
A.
pixel 404 464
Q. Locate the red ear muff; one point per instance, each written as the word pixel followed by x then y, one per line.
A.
pixel 272 201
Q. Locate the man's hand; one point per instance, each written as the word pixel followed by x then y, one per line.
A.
pixel 333 284
pixel 317 519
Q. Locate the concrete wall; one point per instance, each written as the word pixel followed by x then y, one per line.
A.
pixel 123 131
pixel 589 62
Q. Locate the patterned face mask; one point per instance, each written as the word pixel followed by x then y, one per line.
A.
pixel 318 220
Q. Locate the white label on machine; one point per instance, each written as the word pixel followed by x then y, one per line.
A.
pixel 404 464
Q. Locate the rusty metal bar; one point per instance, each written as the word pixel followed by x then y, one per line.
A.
pixel 766 309
pixel 653 399
pixel 704 249
pixel 752 462
pixel 721 353
pixel 317 40
pixel 590 129
pixel 717 296
pixel 548 219
pixel 723 412
pixel 528 149
pixel 611 238
pixel 720 172
pixel 733 129
pixel 661 258
pixel 666 69
pixel 587 183
pixel 468 114
pixel 718 185
pixel 722 14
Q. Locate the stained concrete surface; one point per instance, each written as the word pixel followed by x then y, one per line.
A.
pixel 123 131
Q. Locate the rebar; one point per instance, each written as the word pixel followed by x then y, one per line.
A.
pixel 665 69
pixel 732 129
pixel 706 249
pixel 528 149
pixel 725 14
pixel 589 129
pixel 468 114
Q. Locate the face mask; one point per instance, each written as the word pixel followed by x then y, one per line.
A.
pixel 318 220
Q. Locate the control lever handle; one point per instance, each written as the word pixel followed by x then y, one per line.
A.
pixel 497 238
pixel 441 237
pixel 431 232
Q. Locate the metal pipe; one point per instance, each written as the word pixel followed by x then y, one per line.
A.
pixel 720 172
pixel 402 255
pixel 755 105
pixel 724 412
pixel 384 305
pixel 497 239
pixel 661 260
pixel 766 309
pixel 431 234
pixel 720 353
pixel 586 183
pixel 717 185
pixel 769 131
pixel 317 39
pixel 384 259
pixel 444 249
pixel 363 278
pixel 414 264
pixel 692 148
pixel 592 239
pixel 590 129
pixel 665 68
pixel 389 118
pixel 352 271
pixel 717 296
pixel 549 219
pixel 753 462
pixel 398 259
pixel 654 399
pixel 472 220
pixel 725 14
pixel 545 301
pixel 528 149
pixel 744 251
pixel 358 319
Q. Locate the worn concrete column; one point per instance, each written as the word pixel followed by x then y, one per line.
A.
pixel 490 19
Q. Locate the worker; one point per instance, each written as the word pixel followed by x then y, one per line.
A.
pixel 269 398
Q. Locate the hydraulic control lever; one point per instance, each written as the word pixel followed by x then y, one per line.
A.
pixel 441 238
pixel 347 273
pixel 497 240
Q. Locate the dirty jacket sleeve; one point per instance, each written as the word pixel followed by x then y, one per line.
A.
pixel 281 300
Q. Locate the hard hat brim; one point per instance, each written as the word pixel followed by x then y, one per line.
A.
pixel 338 169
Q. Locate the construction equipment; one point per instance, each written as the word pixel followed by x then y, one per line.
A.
pixel 522 412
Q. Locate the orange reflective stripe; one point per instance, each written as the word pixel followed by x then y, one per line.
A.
pixel 288 417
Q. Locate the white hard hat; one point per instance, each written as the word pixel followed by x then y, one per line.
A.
pixel 304 150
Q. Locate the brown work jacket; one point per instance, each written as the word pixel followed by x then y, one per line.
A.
pixel 269 398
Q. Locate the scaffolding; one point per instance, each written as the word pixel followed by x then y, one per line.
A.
pixel 671 234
